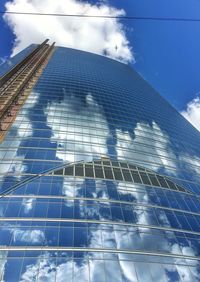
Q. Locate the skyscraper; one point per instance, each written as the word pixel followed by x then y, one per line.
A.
pixel 99 174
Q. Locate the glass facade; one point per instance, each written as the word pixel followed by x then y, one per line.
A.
pixel 9 64
pixel 99 179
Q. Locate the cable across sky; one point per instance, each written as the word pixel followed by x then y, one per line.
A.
pixel 104 16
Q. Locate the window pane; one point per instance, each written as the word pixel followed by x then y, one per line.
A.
pixel 115 164
pixel 124 165
pixel 98 172
pixel 136 177
pixel 145 178
pixel 117 174
pixel 108 173
pixel 162 181
pixel 153 179
pixel 127 175
pixel 171 184
pixel 132 166
pixel 79 170
pixel 58 172
pixel 69 170
pixel 89 171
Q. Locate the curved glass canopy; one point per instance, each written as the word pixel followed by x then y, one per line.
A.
pixel 117 170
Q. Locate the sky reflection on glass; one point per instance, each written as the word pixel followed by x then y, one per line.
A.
pixel 86 107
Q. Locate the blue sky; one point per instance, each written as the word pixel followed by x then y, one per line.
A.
pixel 166 53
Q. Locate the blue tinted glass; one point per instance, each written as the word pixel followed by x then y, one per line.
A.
pixel 101 178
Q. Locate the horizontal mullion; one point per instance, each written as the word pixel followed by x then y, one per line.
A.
pixel 103 250
pixel 101 200
pixel 71 220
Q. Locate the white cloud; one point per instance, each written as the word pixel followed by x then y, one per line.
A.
pixel 25 235
pixel 49 271
pixel 193 163
pixel 157 151
pixel 95 35
pixel 23 128
pixel 152 146
pixel 185 273
pixel 34 236
pixel 78 139
pixel 192 112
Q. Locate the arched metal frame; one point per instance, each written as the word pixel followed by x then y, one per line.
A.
pixel 119 171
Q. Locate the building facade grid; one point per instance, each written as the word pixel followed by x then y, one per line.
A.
pixel 62 220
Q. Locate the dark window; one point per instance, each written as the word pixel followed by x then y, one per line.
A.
pixel 69 170
pixel 115 164
pixel 145 178
pixel 89 171
pixel 153 179
pixel 98 171
pixel 117 174
pixel 141 169
pixel 162 181
pixel 106 163
pixel 132 166
pixel 136 177
pixel 124 165
pixel 127 175
pixel 171 184
pixel 108 173
pixel 97 162
pixel 79 170
pixel 58 172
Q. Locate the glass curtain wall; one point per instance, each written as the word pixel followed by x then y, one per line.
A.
pixel 99 179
